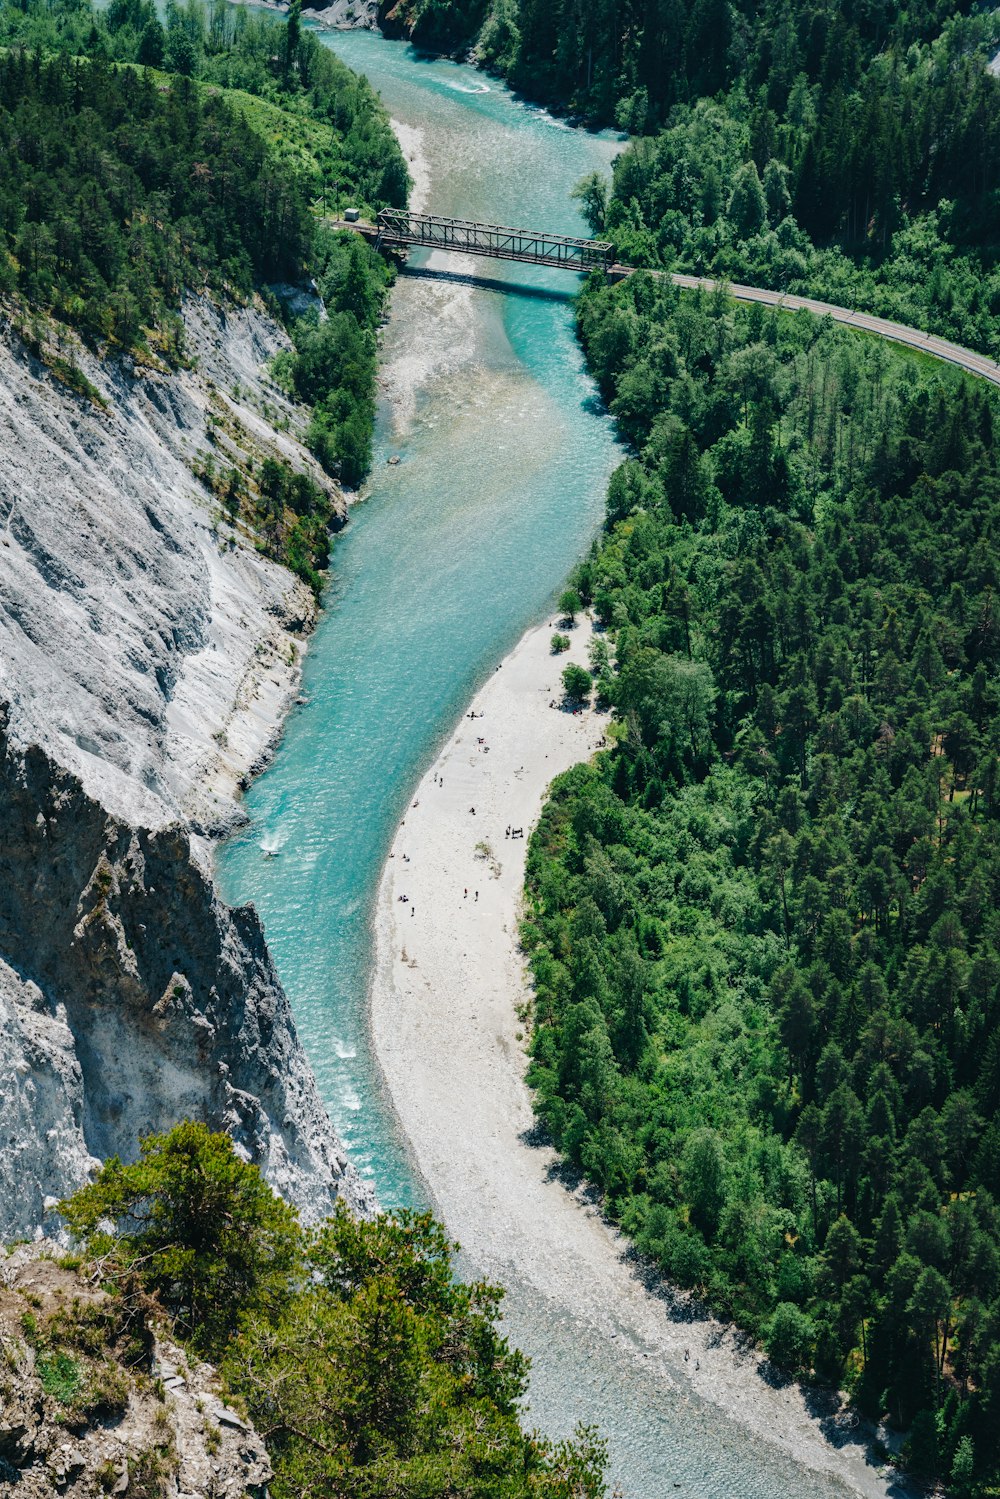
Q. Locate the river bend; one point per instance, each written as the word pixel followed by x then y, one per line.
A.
pixel 504 454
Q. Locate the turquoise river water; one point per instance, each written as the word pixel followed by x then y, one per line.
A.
pixel 504 458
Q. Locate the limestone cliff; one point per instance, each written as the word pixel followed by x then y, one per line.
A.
pixel 147 655
pixel 143 641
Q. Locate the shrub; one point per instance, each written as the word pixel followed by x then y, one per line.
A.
pixel 789 1337
pixel 570 604
pixel 577 682
pixel 61 1376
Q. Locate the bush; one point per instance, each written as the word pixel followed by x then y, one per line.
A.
pixel 577 683
pixel 560 643
pixel 789 1337
pixel 61 1376
pixel 570 604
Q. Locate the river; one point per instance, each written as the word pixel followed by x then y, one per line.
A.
pixel 504 454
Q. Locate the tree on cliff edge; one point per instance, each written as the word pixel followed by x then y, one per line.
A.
pixel 209 1235
pixel 368 1368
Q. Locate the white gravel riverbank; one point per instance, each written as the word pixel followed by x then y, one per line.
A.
pixel 448 981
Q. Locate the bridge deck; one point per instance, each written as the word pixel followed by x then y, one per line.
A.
pixel 494 241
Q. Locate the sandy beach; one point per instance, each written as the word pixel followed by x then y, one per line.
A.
pixel 449 979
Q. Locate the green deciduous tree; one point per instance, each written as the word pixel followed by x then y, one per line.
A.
pixel 789 1337
pixel 570 604
pixel 703 1179
pixel 577 682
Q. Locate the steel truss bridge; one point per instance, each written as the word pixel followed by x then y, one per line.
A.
pixel 398 229
pixel 397 226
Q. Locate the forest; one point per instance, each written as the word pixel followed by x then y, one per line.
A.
pixel 846 152
pixel 140 162
pixel 368 1369
pixel 763 925
pixel 115 196
pixel 884 199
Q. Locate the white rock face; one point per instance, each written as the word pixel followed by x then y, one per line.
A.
pixel 42 1149
pixel 147 656
pixel 145 649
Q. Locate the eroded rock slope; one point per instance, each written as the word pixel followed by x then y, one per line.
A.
pixel 139 640
pixel 147 655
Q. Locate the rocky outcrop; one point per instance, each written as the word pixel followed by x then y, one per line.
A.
pixel 131 996
pixel 347 15
pixel 395 18
pixel 451 30
pixel 148 653
pixel 143 641
pixel 94 1400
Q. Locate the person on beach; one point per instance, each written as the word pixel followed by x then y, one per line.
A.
pixel 477 894
pixel 465 894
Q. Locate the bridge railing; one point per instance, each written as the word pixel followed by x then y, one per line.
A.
pixel 399 226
